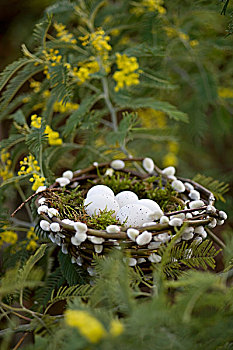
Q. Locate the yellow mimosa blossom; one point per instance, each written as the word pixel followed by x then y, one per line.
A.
pixel 53 58
pixel 53 136
pixel 149 5
pixel 38 181
pixel 194 43
pixel 35 121
pixel 29 165
pixel 68 107
pixel 86 68
pixel 32 237
pixel 225 92
pixel 63 34
pixel 35 85
pixel 170 159
pixel 116 328
pixel 87 325
pixel 5 165
pixel 8 236
pixel 152 118
pixel 99 42
pixel 127 74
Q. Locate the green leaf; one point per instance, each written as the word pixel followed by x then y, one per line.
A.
pixel 13 179
pixel 41 30
pixel 218 188
pixel 36 139
pixel 12 140
pixel 27 268
pixel 127 101
pixel 76 117
pixel 17 82
pixel 70 272
pixel 19 117
pixel 10 70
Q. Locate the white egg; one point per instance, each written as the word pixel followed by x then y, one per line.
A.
pixel 134 214
pixel 152 205
pixel 126 197
pixel 95 204
pixel 100 190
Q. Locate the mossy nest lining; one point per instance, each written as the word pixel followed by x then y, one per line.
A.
pixel 185 207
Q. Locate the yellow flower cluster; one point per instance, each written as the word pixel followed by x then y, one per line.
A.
pixel 35 121
pixel 86 68
pixel 35 85
pixel 149 5
pixel 5 165
pixel 38 181
pixel 152 118
pixel 224 92
pixel 87 325
pixel 63 34
pixel 90 327
pixel 171 159
pixel 9 237
pixel 30 166
pixel 53 136
pixel 127 74
pixel 173 32
pixel 52 57
pixel 99 41
pixel 59 107
pixel 32 237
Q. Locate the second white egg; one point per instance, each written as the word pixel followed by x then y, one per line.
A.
pixel 126 197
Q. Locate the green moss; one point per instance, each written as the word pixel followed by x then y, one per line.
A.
pixel 101 221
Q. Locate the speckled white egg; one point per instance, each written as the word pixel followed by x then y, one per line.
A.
pixel 135 214
pixel 100 190
pixel 126 197
pixel 96 203
pixel 152 205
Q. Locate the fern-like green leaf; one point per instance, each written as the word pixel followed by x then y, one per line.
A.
pixel 10 70
pixel 126 101
pixel 71 273
pixel 76 117
pixel 41 30
pixel 216 187
pixel 17 82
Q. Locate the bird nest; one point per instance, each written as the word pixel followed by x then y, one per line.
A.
pixel 185 212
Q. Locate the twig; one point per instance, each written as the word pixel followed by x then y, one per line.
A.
pixel 20 341
pixel 215 238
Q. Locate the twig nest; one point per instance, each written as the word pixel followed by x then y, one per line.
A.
pixel 148 165
pixel 115 207
pixel 117 164
pixel 126 197
pixel 134 215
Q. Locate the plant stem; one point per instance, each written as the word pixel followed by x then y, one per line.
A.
pixel 21 193
pixel 109 104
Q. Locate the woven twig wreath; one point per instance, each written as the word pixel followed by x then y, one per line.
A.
pixel 183 204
